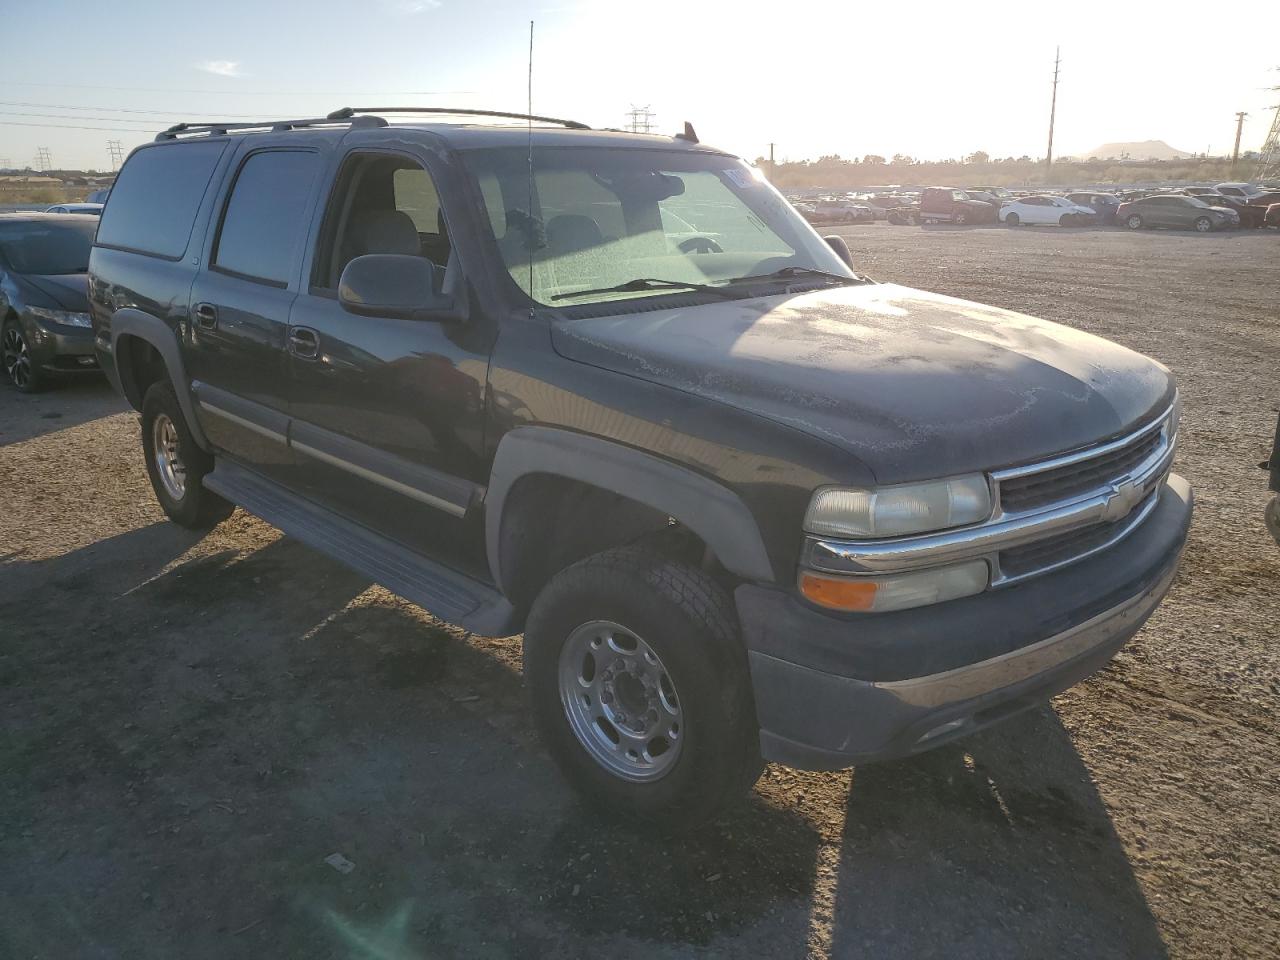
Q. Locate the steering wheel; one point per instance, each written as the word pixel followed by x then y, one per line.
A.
pixel 700 245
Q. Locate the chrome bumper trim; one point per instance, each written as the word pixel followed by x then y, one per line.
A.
pixel 976 679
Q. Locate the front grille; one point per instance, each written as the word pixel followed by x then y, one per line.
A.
pixel 1044 555
pixel 1063 484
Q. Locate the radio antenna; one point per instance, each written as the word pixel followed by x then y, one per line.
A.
pixel 529 228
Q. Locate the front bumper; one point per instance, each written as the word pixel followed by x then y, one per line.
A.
pixel 58 347
pixel 832 692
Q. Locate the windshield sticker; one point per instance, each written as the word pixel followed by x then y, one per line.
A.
pixel 739 178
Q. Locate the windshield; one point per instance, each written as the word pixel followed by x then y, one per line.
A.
pixel 46 247
pixel 599 217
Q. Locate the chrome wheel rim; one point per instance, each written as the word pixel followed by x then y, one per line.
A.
pixel 620 701
pixel 1203 225
pixel 169 466
pixel 1134 223
pixel 17 362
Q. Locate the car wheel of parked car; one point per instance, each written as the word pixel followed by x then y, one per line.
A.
pixel 1133 222
pixel 960 218
pixel 1204 224
pixel 1067 220
pixel 1012 220
pixel 176 464
pixel 17 359
pixel 640 689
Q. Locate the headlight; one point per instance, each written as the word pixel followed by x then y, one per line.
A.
pixel 60 316
pixel 900 510
pixel 898 591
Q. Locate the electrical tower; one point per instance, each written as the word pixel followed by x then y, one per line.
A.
pixel 1053 108
pixel 44 163
pixel 1269 162
pixel 640 119
pixel 4 164
pixel 116 154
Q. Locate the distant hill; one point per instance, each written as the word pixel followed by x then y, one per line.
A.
pixel 1136 150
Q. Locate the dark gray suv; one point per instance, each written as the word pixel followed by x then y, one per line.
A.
pixel 611 391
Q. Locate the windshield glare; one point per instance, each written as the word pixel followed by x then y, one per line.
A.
pixel 599 217
pixel 44 247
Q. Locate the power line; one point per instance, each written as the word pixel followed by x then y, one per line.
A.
pixel 237 92
pixel 150 124
pixel 158 113
pixel 69 126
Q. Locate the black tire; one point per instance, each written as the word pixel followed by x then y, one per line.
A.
pixel 196 508
pixel 15 355
pixel 1067 220
pixel 1012 220
pixel 689 621
pixel 1272 516
pixel 960 218
pixel 1133 222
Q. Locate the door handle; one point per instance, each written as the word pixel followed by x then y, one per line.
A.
pixel 304 343
pixel 206 315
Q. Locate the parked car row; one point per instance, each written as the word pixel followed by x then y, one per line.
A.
pixel 1200 208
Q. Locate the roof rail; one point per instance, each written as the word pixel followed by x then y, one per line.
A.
pixel 216 129
pixel 347 113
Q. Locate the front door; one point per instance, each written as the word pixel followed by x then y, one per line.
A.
pixel 240 304
pixel 387 414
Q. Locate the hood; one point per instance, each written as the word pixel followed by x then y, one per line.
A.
pixel 914 384
pixel 70 291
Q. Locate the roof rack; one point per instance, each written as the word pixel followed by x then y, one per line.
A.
pixel 347 113
pixel 217 129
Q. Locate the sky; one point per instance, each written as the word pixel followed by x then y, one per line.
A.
pixel 930 80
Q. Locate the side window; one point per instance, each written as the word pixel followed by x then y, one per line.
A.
pixel 156 197
pixel 959 195
pixel 265 218
pixel 382 204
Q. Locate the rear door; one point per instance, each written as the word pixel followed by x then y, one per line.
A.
pixel 240 303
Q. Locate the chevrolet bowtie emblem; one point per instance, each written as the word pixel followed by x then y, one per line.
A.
pixel 1125 495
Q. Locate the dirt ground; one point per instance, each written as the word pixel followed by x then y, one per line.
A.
pixel 189 726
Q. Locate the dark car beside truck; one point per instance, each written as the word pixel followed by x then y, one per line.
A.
pixel 44 309
pixel 744 503
pixel 951 205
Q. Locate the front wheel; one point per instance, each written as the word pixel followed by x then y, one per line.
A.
pixel 1203 224
pixel 176 464
pixel 960 218
pixel 1133 222
pixel 1272 515
pixel 18 367
pixel 1012 220
pixel 639 686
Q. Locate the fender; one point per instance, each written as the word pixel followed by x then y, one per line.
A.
pixel 710 510
pixel 128 321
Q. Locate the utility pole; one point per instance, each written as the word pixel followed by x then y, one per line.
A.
pixel 641 119
pixel 116 154
pixel 772 167
pixel 44 163
pixel 1053 110
pixel 1235 151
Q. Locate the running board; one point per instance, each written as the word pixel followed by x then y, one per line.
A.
pixel 442 591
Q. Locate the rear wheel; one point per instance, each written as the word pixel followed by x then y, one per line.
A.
pixel 1272 515
pixel 18 366
pixel 1203 224
pixel 1067 220
pixel 639 687
pixel 1012 219
pixel 176 464
pixel 1133 222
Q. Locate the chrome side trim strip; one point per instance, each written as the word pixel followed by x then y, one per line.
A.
pixel 908 553
pixel 242 422
pixel 975 679
pixel 403 488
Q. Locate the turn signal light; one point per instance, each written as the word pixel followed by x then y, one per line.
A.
pixel 839 594
pixel 898 591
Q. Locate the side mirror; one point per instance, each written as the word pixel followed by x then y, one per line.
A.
pixel 841 248
pixel 395 285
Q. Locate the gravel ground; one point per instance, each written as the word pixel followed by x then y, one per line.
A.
pixel 189 726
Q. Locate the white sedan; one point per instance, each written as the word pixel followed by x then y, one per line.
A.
pixel 1042 209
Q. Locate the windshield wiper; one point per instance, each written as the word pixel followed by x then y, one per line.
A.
pixel 787 272
pixel 640 284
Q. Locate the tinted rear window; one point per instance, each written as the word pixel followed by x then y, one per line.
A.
pixel 264 223
pixel 155 199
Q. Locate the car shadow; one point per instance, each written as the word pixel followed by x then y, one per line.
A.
pixel 67 403
pixel 1002 844
pixel 188 739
